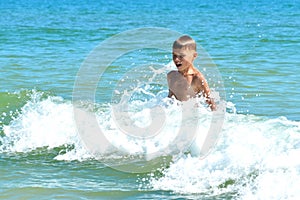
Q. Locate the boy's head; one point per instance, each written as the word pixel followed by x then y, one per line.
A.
pixel 185 42
pixel 184 52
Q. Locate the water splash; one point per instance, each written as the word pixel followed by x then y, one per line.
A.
pixel 255 157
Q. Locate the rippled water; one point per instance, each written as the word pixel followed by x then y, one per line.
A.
pixel 254 45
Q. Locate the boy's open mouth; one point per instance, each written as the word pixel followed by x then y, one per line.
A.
pixel 178 65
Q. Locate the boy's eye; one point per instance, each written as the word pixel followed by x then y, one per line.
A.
pixel 178 56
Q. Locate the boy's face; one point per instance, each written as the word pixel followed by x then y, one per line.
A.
pixel 183 58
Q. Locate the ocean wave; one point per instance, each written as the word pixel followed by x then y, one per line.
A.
pixel 254 156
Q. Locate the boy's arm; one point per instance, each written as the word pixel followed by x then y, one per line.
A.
pixel 206 92
pixel 170 93
pixel 169 75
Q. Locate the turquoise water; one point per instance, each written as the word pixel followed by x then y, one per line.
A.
pixel 255 46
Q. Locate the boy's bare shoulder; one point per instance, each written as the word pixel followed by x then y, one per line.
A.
pixel 199 75
pixel 172 72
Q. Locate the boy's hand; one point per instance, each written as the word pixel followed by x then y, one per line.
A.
pixel 211 103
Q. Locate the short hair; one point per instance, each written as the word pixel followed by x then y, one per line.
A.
pixel 185 42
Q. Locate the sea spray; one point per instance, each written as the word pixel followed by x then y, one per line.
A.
pixel 41 122
pixel 254 157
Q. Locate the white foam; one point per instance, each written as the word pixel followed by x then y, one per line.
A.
pixel 255 157
pixel 41 123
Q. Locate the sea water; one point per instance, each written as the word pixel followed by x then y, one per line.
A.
pixel 254 46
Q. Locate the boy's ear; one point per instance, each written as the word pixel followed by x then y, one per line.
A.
pixel 195 54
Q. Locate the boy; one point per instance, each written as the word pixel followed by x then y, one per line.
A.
pixel 187 82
